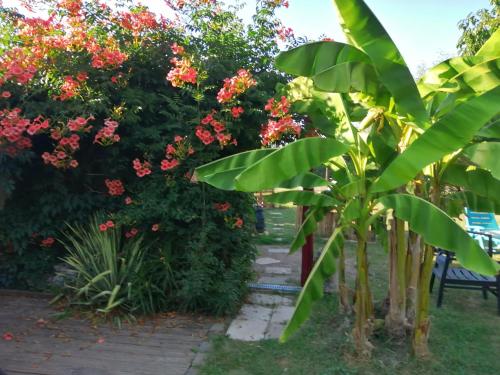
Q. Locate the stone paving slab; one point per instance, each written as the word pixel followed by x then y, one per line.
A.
pixel 278 250
pixel 281 316
pixel 266 260
pixel 278 270
pixel 250 324
pixel 269 299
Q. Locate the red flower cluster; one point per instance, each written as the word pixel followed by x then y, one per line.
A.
pixel 72 6
pixel 206 136
pixel 68 89
pixel 283 123
pixel 115 187
pixel 284 33
pixel 108 58
pixel 235 86
pixel 106 136
pixel 168 164
pixel 278 108
pixel 176 152
pixel 277 3
pixel 222 207
pixel 237 112
pixel 138 21
pixel 141 169
pixel 17 65
pixel 131 233
pixel 105 226
pixel 47 242
pixel 238 223
pixel 128 200
pixel 13 130
pixel 62 155
pixel 79 124
pixel 182 72
pixel 177 49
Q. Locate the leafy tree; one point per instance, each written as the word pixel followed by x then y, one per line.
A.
pixel 477 28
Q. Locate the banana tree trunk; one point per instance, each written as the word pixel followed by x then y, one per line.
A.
pixel 363 305
pixel 413 272
pixel 395 320
pixel 422 322
pixel 343 290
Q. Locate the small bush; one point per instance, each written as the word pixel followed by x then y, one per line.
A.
pixel 112 274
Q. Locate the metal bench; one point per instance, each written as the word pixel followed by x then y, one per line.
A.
pixel 457 277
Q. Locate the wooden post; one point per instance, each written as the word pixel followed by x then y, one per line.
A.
pixel 307 253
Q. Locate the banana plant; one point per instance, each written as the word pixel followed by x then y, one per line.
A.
pixel 407 139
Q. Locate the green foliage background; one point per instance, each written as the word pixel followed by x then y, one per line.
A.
pixel 210 259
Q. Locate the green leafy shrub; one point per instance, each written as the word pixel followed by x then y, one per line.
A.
pixel 165 207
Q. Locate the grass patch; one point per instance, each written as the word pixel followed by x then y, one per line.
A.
pixel 465 337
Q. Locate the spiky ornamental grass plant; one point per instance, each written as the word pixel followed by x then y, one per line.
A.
pixel 110 271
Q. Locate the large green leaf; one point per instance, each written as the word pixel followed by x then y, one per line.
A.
pixel 223 180
pixel 312 291
pixel 438 229
pixel 327 111
pixel 467 74
pixel 492 46
pixel 491 130
pixel 352 77
pixel 456 202
pixel 312 58
pixel 452 132
pixel 365 32
pixel 313 216
pixel 306 180
pixel 302 198
pixel 241 160
pixel 283 164
pixel 478 181
pixel 485 155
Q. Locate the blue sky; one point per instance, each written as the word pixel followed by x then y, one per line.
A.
pixel 425 31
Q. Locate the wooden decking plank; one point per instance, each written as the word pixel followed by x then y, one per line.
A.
pixel 162 344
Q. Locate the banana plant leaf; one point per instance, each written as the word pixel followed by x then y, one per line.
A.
pixel 326 110
pixel 313 216
pixel 364 31
pixel 477 181
pixel 467 74
pixel 306 180
pixel 312 58
pixel 229 167
pixel 456 202
pixel 350 77
pixel 450 133
pixel 302 198
pixel 491 131
pixel 283 164
pixel 438 229
pixel 485 155
pixel 492 46
pixel 312 291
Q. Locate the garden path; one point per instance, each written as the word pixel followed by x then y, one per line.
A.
pixel 265 314
pixel 33 342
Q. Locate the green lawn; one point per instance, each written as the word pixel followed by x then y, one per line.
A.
pixel 465 339
pixel 287 222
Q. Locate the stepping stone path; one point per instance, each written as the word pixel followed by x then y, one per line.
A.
pixel 265 314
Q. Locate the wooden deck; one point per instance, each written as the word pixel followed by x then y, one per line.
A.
pixel 41 344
